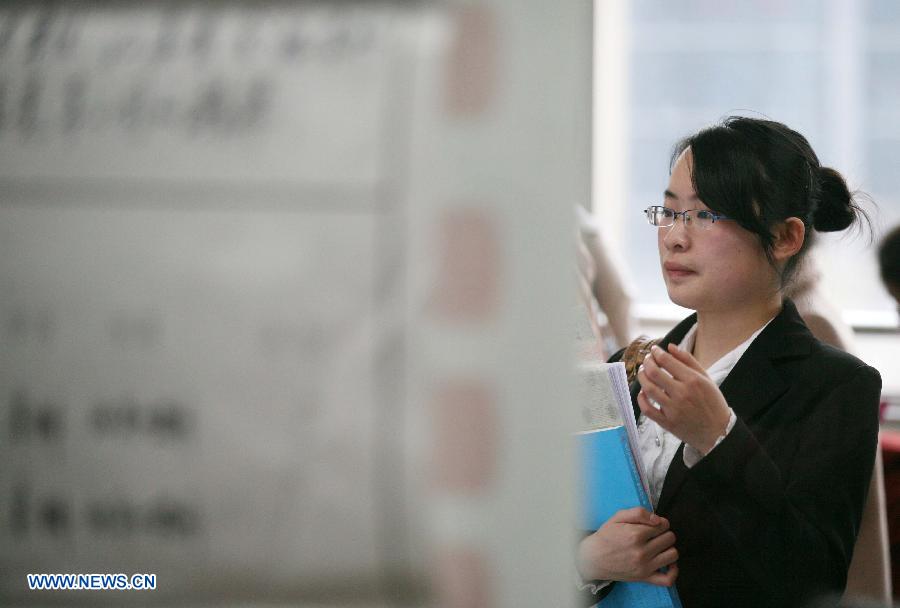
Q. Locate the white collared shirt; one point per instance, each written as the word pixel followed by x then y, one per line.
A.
pixel 658 446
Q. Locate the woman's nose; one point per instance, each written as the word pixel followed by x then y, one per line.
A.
pixel 676 236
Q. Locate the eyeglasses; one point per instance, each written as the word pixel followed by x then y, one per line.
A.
pixel 663 217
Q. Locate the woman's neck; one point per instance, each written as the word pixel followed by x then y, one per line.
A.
pixel 718 333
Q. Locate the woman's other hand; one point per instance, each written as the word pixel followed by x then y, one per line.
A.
pixel 691 405
pixel 632 546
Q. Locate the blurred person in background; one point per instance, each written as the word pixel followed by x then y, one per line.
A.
pixel 889 263
pixel 603 284
pixel 821 316
pixel 758 439
pixel 869 576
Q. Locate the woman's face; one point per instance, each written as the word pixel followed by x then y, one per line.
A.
pixel 721 268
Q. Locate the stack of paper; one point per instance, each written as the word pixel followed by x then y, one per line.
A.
pixel 612 476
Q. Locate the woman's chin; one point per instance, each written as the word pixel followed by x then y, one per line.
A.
pixel 681 298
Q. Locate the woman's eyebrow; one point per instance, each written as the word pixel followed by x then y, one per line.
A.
pixel 672 195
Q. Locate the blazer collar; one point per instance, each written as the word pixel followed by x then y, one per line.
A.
pixel 754 382
pixel 752 385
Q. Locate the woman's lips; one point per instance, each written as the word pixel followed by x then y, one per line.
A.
pixel 677 271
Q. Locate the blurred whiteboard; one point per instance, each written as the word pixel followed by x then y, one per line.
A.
pixel 195 225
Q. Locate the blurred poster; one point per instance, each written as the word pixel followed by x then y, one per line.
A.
pixel 284 300
pixel 196 296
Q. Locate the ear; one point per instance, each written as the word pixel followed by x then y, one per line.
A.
pixel 789 236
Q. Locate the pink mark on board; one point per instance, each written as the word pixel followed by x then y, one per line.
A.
pixel 465 437
pixel 472 62
pixel 463 579
pixel 466 283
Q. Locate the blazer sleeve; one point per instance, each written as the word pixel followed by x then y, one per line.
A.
pixel 795 524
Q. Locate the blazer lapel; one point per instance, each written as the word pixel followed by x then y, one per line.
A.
pixel 752 385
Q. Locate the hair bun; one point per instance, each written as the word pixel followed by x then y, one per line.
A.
pixel 835 210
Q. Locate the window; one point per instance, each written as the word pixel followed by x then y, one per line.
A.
pixel 829 69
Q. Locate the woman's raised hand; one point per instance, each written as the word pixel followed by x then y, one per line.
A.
pixel 691 406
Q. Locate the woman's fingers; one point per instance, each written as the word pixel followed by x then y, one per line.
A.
pixel 681 356
pixel 674 366
pixel 664 579
pixel 654 391
pixel 650 370
pixel 649 534
pixel 649 410
pixel 639 515
pixel 665 559
pixel 661 543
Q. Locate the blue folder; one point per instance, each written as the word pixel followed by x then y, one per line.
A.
pixel 610 482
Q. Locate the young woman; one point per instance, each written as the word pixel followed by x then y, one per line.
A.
pixel 758 440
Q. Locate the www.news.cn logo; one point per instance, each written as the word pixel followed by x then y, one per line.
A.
pixel 91 582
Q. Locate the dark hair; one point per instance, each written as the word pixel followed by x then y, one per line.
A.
pixel 889 257
pixel 760 172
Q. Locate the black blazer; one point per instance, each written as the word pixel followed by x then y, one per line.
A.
pixel 770 516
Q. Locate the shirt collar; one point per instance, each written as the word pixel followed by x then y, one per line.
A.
pixel 719 370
